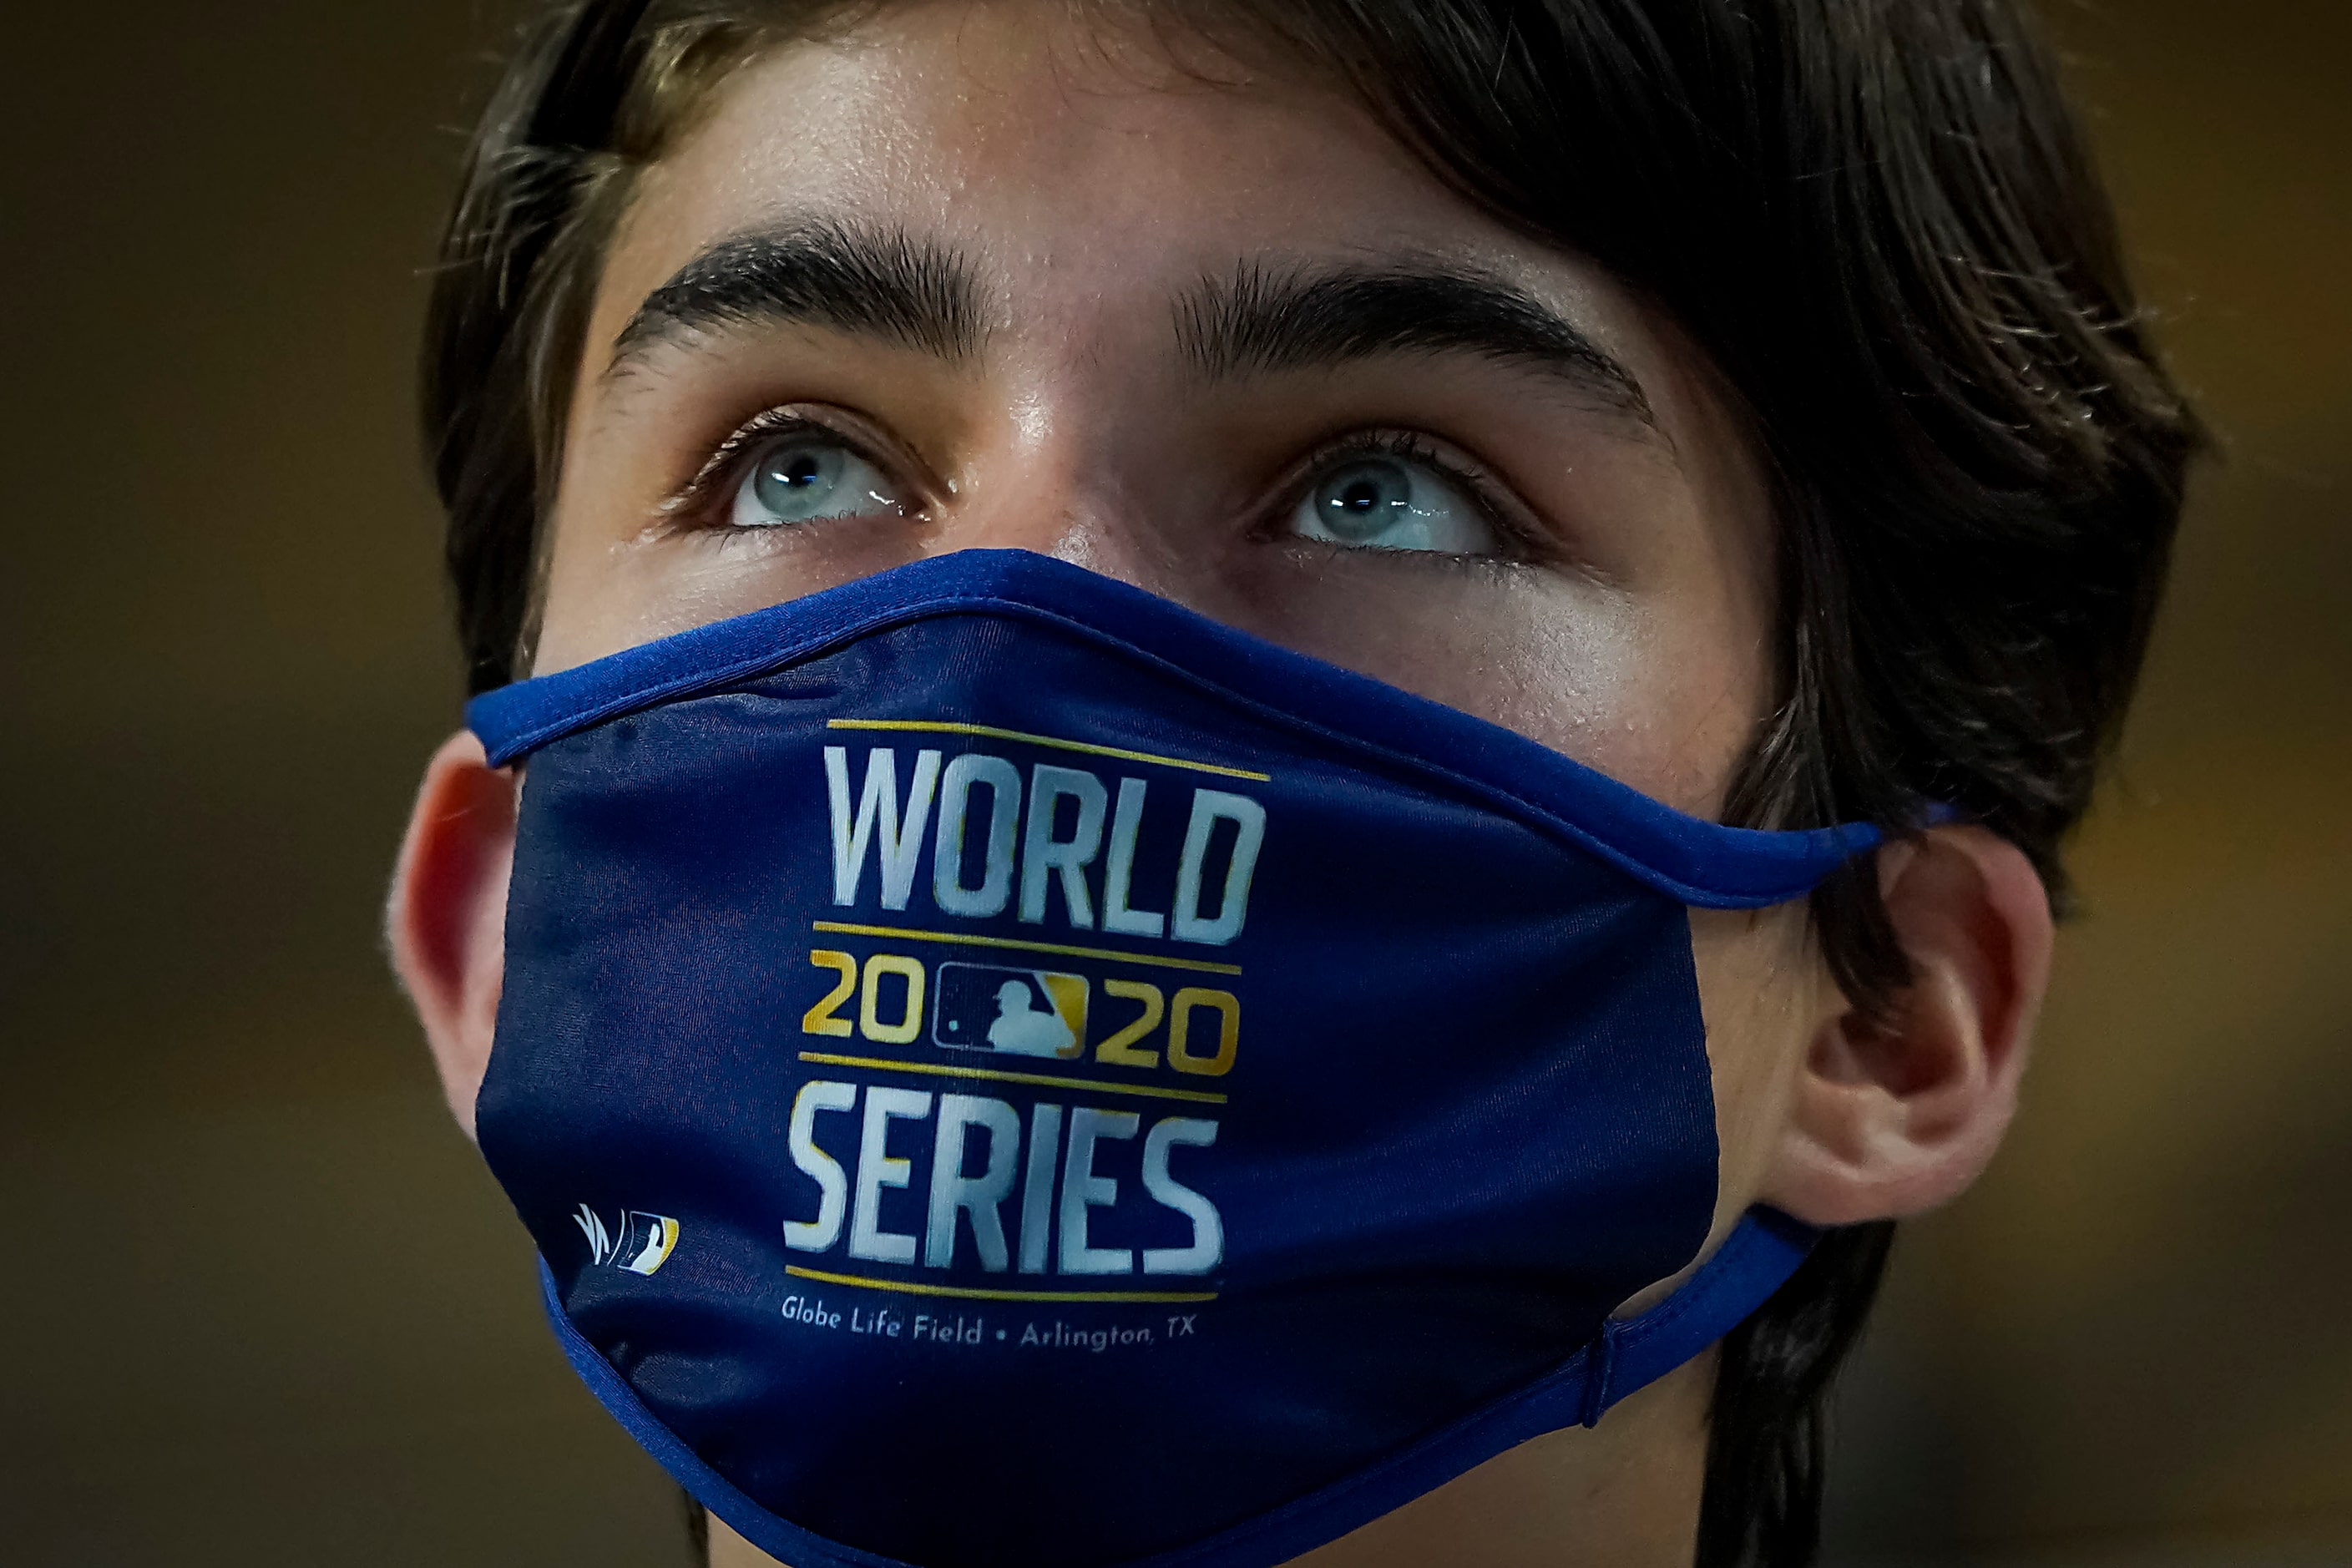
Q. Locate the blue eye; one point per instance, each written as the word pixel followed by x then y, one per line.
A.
pixel 803 476
pixel 1393 503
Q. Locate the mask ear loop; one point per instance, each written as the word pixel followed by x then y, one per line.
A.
pixel 1629 1354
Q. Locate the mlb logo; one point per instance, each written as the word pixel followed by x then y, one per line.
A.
pixel 642 1243
pixel 1020 1011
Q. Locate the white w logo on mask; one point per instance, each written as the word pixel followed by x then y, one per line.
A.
pixel 640 1243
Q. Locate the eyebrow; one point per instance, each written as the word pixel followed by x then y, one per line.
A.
pixel 885 284
pixel 878 283
pixel 1263 321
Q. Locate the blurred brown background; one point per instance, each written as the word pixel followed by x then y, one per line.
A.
pixel 258 1303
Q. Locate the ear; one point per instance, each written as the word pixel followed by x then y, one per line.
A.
pixel 447 924
pixel 1898 1115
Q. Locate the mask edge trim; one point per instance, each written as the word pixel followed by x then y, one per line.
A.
pixel 1697 862
pixel 1755 1260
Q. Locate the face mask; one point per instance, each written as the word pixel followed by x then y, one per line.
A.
pixel 1003 1070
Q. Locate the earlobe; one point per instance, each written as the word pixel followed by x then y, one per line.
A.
pixel 446 923
pixel 1896 1115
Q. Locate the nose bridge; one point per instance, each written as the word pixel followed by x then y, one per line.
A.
pixel 1083 530
pixel 1052 475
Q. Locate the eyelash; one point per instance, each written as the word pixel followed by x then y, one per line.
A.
pixel 690 508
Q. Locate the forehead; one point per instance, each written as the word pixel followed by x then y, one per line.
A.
pixel 1068 155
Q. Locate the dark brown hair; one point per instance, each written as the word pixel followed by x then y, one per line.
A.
pixel 1878 217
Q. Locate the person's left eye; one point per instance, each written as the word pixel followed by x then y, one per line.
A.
pixel 806 476
pixel 1377 502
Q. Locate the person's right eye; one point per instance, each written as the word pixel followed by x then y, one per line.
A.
pixel 806 475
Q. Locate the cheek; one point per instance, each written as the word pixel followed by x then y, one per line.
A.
pixel 604 596
pixel 1764 994
pixel 1641 687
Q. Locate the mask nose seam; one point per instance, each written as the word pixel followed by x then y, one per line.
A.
pixel 1600 1369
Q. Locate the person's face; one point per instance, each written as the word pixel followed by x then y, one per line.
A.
pixel 1226 341
pixel 968 275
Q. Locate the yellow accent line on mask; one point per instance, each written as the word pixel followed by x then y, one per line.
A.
pixel 968 1294
pixel 1039 1079
pixel 1058 949
pixel 988 731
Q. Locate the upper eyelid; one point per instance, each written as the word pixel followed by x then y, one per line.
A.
pixel 1411 446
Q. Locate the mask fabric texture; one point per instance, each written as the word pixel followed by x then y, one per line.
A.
pixel 1002 1070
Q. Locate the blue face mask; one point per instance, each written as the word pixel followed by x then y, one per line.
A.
pixel 1003 1070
